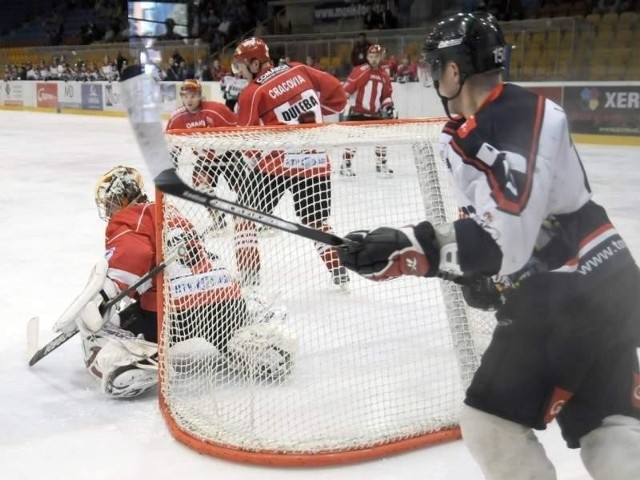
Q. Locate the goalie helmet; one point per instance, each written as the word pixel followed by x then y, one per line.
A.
pixel 375 55
pixel 474 41
pixel 118 188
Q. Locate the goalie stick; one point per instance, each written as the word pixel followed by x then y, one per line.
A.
pixel 141 95
pixel 36 354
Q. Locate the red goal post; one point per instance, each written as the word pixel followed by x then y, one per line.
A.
pixel 376 370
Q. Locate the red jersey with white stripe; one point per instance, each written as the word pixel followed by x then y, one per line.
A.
pixel 369 90
pixel 291 94
pixel 211 114
pixel 195 279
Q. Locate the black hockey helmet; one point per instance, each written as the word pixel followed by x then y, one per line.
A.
pixel 474 41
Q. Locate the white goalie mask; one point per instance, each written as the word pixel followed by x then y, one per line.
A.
pixel 118 188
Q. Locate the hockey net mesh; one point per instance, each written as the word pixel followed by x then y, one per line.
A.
pixel 371 367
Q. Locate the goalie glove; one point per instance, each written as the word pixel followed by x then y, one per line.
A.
pixel 386 253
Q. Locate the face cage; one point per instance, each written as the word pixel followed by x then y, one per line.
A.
pixel 107 207
pixel 374 56
pixel 107 204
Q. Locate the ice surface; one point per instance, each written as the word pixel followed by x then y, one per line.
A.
pixel 54 423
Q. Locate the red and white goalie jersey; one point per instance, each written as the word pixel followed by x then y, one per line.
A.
pixel 195 279
pixel 291 94
pixel 369 90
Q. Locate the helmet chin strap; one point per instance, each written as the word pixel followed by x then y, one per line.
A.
pixel 445 100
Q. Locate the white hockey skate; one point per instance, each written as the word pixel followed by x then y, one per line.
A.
pixel 340 278
pixel 218 226
pixel 383 170
pixel 346 170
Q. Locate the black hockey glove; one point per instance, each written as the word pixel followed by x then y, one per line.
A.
pixel 481 293
pixel 386 253
pixel 388 112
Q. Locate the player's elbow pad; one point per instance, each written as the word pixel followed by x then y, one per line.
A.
pixel 478 252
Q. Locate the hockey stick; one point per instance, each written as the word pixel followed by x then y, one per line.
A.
pixel 141 96
pixel 35 354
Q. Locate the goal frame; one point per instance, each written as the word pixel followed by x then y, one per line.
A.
pixel 321 458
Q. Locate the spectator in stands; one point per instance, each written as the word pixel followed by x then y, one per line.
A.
pixel 311 62
pixel 607 6
pixel 54 26
pixel 389 15
pixel 404 13
pixel 373 18
pixel 32 72
pixel 359 51
pixel 172 73
pixel 216 71
pixel 170 34
pixel 120 61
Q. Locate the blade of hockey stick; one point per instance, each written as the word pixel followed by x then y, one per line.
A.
pixel 33 330
pixel 39 354
pixel 141 94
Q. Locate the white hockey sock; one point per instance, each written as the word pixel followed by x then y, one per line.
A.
pixel 504 450
pixel 612 451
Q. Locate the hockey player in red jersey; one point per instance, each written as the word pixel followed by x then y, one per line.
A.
pixel 207 302
pixel 370 90
pixel 288 94
pixel 209 166
pixel 537 249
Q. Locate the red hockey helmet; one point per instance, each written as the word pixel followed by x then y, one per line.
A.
pixel 376 49
pixel 251 49
pixel 191 85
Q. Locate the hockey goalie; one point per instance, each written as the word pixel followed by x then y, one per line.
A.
pixel 120 342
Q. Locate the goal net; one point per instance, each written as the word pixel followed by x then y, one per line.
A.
pixel 273 356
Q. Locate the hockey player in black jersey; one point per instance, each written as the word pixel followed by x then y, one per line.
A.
pixel 564 285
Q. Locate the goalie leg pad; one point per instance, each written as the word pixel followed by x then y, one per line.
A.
pixel 67 321
pixel 125 365
pixel 504 449
pixel 612 451
pixel 265 351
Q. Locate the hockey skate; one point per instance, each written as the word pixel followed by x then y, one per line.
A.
pixel 346 170
pixel 263 352
pixel 265 231
pixel 218 223
pixel 383 170
pixel 340 277
pixel 131 380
